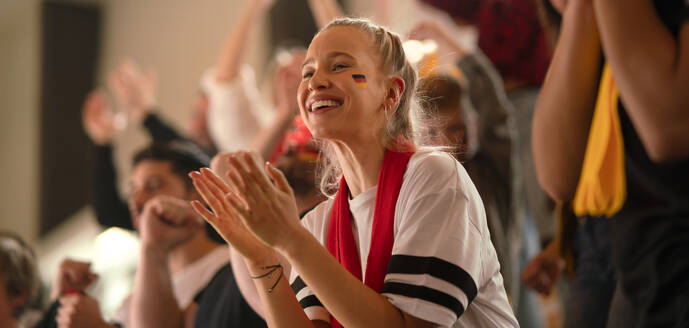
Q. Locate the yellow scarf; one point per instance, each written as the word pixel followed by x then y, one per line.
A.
pixel 602 187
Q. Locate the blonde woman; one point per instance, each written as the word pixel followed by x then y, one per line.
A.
pixel 404 241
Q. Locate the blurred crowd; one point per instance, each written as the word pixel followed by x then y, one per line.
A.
pixel 534 176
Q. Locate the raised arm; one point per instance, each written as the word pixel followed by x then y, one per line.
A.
pixel 325 11
pixel 98 122
pixel 285 85
pixel 230 59
pixel 135 92
pixel 234 102
pixel 565 105
pixel 651 69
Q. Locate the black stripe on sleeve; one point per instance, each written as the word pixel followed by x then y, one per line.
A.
pixel 307 301
pixel 433 266
pixel 297 285
pixel 310 301
pixel 424 293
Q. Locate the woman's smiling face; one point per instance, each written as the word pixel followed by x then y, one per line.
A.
pixel 343 87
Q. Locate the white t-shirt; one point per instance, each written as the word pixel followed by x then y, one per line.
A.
pixel 187 283
pixel 235 110
pixel 443 267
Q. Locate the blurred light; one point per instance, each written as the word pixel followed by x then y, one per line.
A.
pixel 417 50
pixel 116 245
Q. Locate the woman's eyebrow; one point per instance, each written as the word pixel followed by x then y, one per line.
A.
pixel 339 53
pixel 330 56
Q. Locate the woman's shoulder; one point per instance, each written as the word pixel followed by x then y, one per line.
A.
pixel 435 170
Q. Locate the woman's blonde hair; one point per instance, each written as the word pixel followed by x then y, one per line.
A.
pixel 400 125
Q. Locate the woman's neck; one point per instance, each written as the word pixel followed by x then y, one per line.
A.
pixel 360 164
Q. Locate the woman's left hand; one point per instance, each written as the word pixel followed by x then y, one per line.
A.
pixel 271 210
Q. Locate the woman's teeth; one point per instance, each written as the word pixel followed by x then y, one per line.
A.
pixel 320 104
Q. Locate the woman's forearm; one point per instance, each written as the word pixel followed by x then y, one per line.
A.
pixel 346 298
pixel 229 60
pixel 325 11
pixel 280 307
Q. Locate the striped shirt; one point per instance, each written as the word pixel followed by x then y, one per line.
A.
pixel 443 268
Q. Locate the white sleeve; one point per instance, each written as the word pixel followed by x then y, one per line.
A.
pixel 436 263
pixel 234 110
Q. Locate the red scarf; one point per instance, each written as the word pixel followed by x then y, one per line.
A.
pixel 340 236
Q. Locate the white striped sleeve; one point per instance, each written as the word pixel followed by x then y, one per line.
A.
pixel 435 268
pixel 313 308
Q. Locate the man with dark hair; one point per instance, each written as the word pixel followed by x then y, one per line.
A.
pixel 174 245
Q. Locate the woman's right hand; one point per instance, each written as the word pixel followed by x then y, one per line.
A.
pixel 224 217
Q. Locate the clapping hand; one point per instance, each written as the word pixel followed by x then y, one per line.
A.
pixel 254 211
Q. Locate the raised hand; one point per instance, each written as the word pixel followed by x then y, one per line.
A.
pixel 72 275
pixel 543 271
pixel 133 89
pixel 225 217
pixel 97 118
pixel 79 311
pixel 167 222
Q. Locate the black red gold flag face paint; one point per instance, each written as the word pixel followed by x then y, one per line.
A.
pixel 360 80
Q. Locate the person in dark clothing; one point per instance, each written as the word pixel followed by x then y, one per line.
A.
pixel 581 246
pixel 110 209
pixel 134 92
pixel 221 303
pixel 643 47
pixel 99 123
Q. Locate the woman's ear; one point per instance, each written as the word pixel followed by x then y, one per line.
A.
pixel 395 91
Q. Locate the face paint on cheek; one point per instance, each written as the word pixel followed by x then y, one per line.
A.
pixel 360 80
